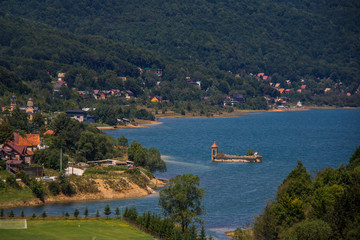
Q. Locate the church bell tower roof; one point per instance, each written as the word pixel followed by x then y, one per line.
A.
pixel 214 145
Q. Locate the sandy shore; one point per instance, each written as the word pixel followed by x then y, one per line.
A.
pixel 235 113
pixel 105 193
pixel 139 124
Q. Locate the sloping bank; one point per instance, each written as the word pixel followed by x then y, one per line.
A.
pixel 84 189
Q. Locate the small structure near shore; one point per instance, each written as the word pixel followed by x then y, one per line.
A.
pixel 221 157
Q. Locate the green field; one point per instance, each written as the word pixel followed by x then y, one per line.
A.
pixel 75 229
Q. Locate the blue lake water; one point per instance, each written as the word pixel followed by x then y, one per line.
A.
pixel 236 192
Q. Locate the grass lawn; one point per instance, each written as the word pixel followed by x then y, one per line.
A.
pixel 13 195
pixel 75 229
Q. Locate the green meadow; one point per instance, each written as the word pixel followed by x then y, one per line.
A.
pixel 75 229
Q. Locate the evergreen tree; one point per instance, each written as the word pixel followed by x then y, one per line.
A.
pixel 86 212
pixel 202 233
pixel 76 213
pixel 22 213
pixel 43 214
pixel 117 211
pixel 97 214
pixel 67 214
pixel 107 210
pixel 2 213
pixel 33 216
pixel 11 214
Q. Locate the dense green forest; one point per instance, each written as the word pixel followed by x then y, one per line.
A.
pixel 217 43
pixel 287 39
pixel 323 207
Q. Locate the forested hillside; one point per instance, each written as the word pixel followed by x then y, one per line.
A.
pixel 324 206
pixel 284 39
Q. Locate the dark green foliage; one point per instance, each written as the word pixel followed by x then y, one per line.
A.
pixel 43 214
pixel 50 157
pixel 149 158
pixel 38 189
pixel 326 208
pixel 297 184
pixel 1 212
pixel 11 182
pixel 97 214
pixel 86 212
pixel 131 213
pixel 162 227
pixel 96 145
pixel 117 211
pixel 275 36
pixel 66 214
pixel 182 200
pixel 22 213
pixel 6 132
pixel 33 216
pixel 11 214
pixel 202 235
pixel 76 212
pixel 24 177
pixel 107 210
pixel 67 131
pixel 250 152
pixel 123 141
pixel 2 184
pixel 66 187
pixel 54 188
pixel 355 159
pixel 310 230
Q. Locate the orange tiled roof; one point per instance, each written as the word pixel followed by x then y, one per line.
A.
pixel 30 140
pixel 281 90
pixel 49 132
pixel 214 145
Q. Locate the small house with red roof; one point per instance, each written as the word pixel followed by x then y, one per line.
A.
pixel 303 86
pixel 15 153
pixel 31 141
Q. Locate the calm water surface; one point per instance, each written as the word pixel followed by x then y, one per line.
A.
pixel 236 192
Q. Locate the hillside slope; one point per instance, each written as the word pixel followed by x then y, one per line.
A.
pixel 290 39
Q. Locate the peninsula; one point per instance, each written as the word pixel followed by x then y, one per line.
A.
pixel 221 157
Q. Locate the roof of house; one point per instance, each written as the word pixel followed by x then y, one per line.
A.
pixel 214 145
pixel 29 140
pixel 303 86
pixel 49 132
pixel 265 77
pixel 74 111
pixel 22 150
pixel 260 74
pixel 281 90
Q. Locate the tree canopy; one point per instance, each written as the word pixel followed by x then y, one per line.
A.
pixel 182 200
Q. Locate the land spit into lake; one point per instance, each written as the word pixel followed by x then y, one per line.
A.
pixel 105 192
pixel 139 123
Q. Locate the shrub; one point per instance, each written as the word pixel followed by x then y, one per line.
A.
pixel 54 188
pixel 24 177
pixel 2 184
pixel 37 188
pixel 76 213
pixel 11 181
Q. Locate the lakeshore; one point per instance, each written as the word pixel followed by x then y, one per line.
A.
pixel 105 193
pixel 237 112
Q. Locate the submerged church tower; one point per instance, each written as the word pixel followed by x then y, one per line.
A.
pixel 214 151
